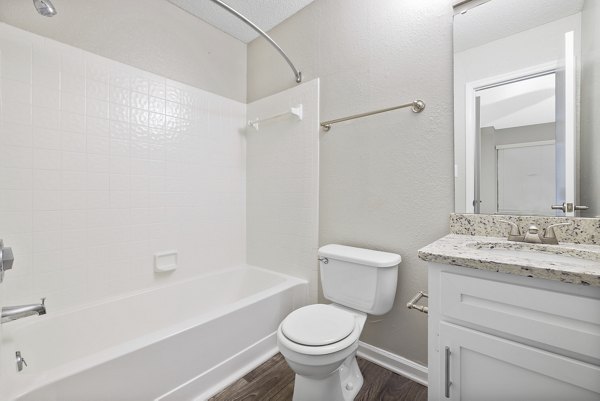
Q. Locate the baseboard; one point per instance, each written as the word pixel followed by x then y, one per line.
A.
pixel 216 379
pixel 393 362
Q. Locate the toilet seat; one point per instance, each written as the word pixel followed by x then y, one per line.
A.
pixel 346 342
pixel 317 325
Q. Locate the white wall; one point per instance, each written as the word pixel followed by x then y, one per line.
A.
pixel 104 165
pixel 590 104
pixel 153 35
pixel 283 185
pixel 385 181
pixel 528 133
pixel 516 104
pixel 540 45
pixel 489 176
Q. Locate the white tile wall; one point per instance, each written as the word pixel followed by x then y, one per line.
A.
pixel 103 165
pixel 283 185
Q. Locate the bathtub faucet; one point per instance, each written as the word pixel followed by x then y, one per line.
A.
pixel 18 312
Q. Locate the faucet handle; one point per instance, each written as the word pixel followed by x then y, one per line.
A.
pixel 514 228
pixel 43 301
pixel 549 231
pixel 6 259
pixel 515 233
pixel 20 361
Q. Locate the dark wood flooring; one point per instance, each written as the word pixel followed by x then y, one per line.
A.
pixel 274 381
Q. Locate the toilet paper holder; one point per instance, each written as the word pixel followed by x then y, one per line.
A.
pixel 412 304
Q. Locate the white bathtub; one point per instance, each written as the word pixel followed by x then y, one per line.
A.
pixel 179 342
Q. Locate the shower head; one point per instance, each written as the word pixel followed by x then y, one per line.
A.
pixel 45 7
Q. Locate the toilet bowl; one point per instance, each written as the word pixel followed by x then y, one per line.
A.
pixel 319 342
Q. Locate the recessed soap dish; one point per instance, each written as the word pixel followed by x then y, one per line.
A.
pixel 165 261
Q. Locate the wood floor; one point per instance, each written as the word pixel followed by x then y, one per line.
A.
pixel 274 381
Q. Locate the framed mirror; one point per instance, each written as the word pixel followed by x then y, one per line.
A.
pixel 526 85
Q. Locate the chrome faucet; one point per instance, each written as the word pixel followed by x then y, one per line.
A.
pixel 533 235
pixel 10 313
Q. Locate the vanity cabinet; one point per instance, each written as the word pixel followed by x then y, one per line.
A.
pixel 495 336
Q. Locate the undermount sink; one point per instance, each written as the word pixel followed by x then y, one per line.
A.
pixel 552 254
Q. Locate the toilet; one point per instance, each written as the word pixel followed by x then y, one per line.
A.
pixel 319 342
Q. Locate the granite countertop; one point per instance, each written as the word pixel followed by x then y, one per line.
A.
pixel 499 255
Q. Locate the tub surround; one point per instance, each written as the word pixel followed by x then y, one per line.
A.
pixel 473 236
pixel 282 187
pixel 106 165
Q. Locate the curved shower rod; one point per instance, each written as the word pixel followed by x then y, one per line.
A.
pixel 252 25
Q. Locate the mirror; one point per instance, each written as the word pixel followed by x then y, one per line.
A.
pixel 526 84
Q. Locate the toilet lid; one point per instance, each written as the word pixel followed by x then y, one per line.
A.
pixel 317 325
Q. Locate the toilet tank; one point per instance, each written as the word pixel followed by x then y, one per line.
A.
pixel 361 279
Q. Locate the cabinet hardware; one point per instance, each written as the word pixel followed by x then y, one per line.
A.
pixel 447 382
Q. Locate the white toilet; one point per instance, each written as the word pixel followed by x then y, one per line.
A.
pixel 319 342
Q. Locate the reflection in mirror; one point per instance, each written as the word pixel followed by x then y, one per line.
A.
pixel 515 141
pixel 522 112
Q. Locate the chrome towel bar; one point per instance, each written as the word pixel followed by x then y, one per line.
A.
pixel 412 304
pixel 416 106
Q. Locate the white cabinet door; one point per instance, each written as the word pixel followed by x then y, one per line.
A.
pixel 485 367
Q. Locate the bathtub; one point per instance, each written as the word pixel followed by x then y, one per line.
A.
pixel 184 341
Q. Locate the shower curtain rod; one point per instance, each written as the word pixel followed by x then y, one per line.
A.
pixel 252 25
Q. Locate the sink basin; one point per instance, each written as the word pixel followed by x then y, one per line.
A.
pixel 547 254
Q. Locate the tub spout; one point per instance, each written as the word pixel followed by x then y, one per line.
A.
pixel 10 313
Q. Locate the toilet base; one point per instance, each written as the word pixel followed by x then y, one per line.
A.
pixel 341 385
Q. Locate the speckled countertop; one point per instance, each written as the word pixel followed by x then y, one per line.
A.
pixel 581 231
pixel 568 262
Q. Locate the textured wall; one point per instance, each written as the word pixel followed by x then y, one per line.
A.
pixel 153 35
pixel 590 104
pixel 282 185
pixel 385 181
pixel 104 165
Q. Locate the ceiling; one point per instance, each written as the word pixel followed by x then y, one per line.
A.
pixel 527 102
pixel 264 13
pixel 497 19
